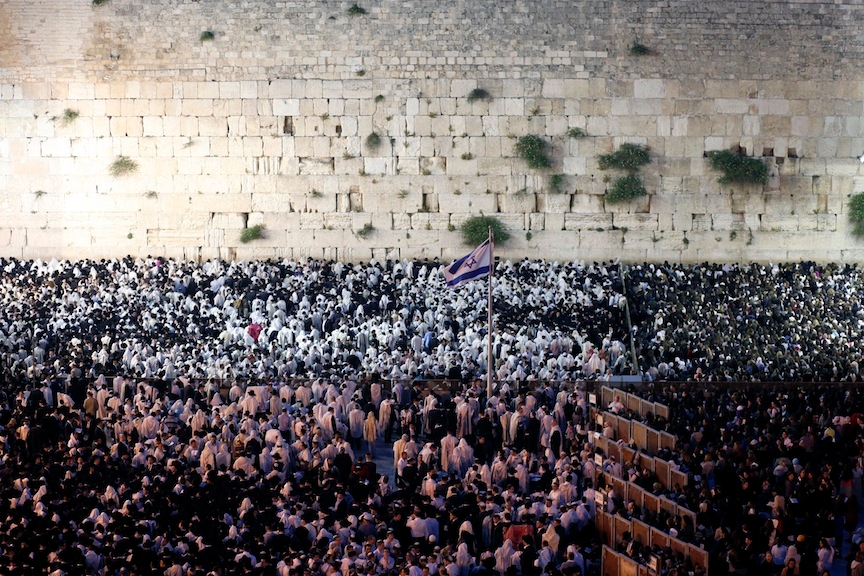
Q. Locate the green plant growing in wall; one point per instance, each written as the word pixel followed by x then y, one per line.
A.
pixel 373 141
pixel 628 157
pixel 532 149
pixel 122 165
pixel 475 230
pixel 356 10
pixel 576 133
pixel 252 233
pixel 625 188
pixel 856 214
pixel 99 2
pixel 364 232
pixel 556 183
pixel 315 193
pixel 738 169
pixel 639 49
pixel 39 193
pixel 379 98
pixel 68 117
pixel 478 94
pixel 206 36
pixel 467 156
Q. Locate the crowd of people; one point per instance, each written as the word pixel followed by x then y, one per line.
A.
pixel 774 474
pixel 799 322
pixel 175 418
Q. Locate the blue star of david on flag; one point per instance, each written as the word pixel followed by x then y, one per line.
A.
pixel 470 267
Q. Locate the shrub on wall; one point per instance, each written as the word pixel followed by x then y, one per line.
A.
pixel 123 165
pixel 738 169
pixel 252 233
pixel 856 214
pixel 628 157
pixel 69 116
pixel 367 229
pixel 626 188
pixel 475 230
pixel 639 49
pixel 373 141
pixel 478 94
pixel 556 183
pixel 532 149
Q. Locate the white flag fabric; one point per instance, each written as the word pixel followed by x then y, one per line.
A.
pixel 471 267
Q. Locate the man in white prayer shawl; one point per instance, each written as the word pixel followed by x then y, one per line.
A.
pixel 448 445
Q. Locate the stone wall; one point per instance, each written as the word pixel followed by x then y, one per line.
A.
pixel 270 122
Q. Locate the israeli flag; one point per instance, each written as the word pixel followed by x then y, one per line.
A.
pixel 471 267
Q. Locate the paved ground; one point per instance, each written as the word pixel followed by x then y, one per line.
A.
pixel 384 460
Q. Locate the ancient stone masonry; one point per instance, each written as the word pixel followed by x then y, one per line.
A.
pixel 124 129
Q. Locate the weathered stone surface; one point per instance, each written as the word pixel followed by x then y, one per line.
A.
pixel 248 130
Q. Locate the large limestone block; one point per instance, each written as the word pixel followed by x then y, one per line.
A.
pixel 212 126
pixel 587 221
pixel 635 221
pixel 457 166
pixel 556 203
pixel 56 148
pixel 430 221
pixel 779 223
pixel 728 222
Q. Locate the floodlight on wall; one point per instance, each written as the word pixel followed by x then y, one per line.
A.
pixel 861 158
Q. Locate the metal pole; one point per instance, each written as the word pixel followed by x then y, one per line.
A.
pixel 489 362
pixel 629 324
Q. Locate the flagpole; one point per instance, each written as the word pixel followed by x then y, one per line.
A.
pixel 489 361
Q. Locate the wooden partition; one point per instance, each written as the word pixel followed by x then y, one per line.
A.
pixel 633 402
pixel 668 440
pixel 678 478
pixel 609 562
pixel 623 429
pixel 652 440
pixel 667 477
pixel 641 531
pixel 643 498
pixel 631 431
pixel 612 531
pixel 640 436
pixel 662 468
pixel 652 502
pixel 615 564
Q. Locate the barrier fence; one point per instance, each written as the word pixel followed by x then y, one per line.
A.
pixel 669 477
pixel 633 402
pixel 612 529
pixel 646 499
